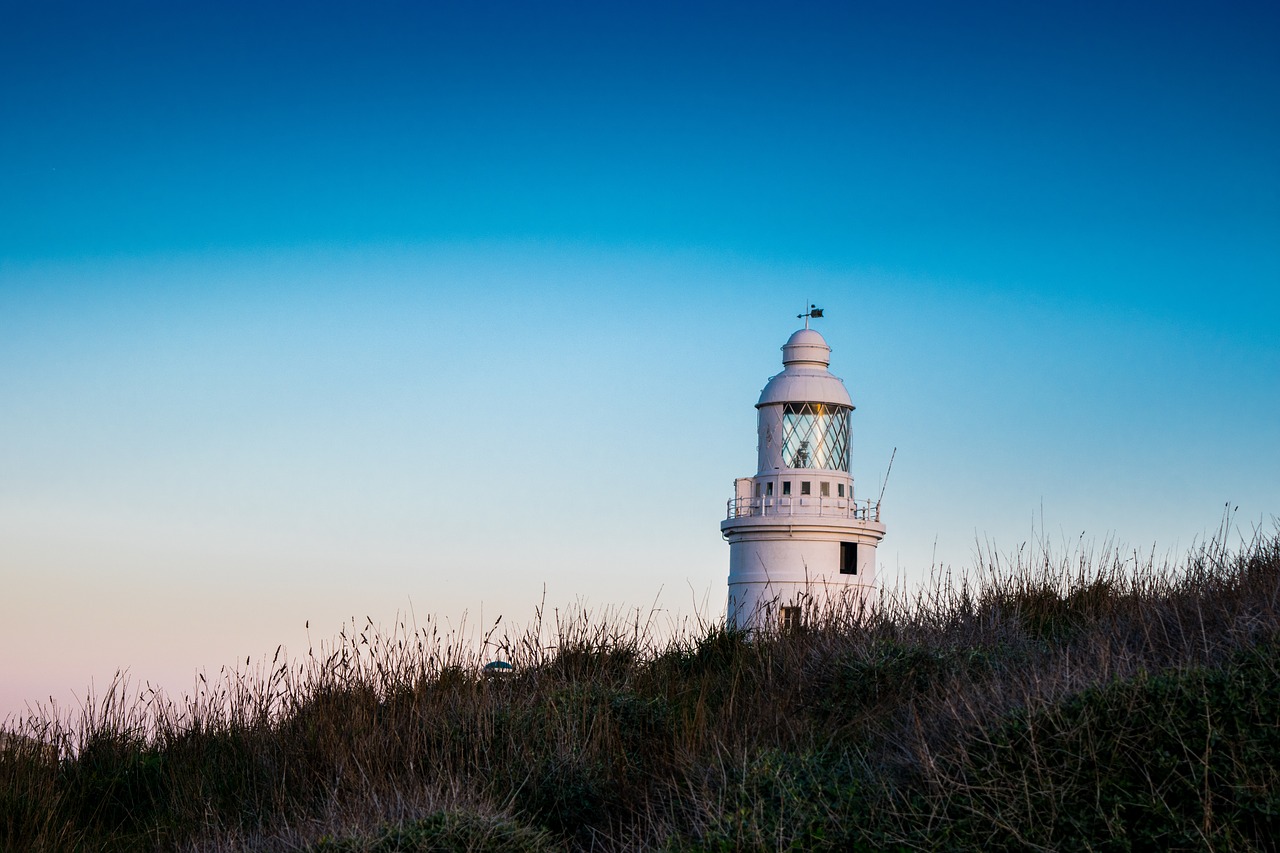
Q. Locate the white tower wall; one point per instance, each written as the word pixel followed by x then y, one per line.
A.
pixel 799 540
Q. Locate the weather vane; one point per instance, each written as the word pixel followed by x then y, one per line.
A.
pixel 814 312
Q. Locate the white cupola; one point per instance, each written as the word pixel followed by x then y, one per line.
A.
pixel 800 541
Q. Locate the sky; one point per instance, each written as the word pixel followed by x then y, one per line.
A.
pixel 313 313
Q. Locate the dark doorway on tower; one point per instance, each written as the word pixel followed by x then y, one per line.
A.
pixel 848 558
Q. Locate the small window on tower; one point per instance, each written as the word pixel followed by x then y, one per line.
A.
pixel 757 490
pixel 840 490
pixel 848 558
pixel 825 490
pixel 786 487
pixel 768 490
pixel 790 618
pixel 804 487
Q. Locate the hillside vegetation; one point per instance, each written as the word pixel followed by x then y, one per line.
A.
pixel 1096 701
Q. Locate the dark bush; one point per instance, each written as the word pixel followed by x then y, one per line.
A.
pixel 444 832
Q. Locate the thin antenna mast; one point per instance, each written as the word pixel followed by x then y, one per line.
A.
pixel 884 485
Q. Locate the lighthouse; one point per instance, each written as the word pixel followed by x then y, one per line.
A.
pixel 801 539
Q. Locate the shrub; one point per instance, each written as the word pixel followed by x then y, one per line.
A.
pixel 1181 760
pixel 444 832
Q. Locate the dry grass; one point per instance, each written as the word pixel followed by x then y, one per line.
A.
pixel 1096 701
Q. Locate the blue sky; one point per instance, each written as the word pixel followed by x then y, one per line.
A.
pixel 306 316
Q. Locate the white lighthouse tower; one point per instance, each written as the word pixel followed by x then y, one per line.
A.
pixel 800 540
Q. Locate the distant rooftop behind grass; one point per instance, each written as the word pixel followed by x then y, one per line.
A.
pixel 1095 700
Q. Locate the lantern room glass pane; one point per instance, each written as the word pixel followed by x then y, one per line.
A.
pixel 815 435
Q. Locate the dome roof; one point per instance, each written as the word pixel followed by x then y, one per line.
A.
pixel 805 378
pixel 806 346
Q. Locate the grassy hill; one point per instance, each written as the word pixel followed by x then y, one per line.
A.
pixel 1090 702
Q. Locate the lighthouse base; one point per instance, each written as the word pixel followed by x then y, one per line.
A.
pixel 785 571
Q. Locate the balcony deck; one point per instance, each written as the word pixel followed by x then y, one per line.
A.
pixel 805 505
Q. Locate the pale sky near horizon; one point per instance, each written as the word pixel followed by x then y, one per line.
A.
pixel 432 307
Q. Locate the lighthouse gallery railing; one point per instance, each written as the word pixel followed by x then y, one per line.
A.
pixel 828 507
